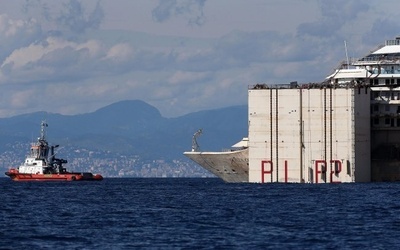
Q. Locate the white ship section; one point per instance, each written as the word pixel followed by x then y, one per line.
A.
pixel 318 135
pixel 230 166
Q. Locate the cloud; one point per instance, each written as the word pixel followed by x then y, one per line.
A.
pixel 50 53
pixel 16 33
pixel 19 99
pixel 120 52
pixel 186 78
pixel 75 18
pixel 382 28
pixel 240 49
pixel 57 59
pixel 192 10
pixel 334 15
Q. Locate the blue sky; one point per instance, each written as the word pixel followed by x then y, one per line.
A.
pixel 181 56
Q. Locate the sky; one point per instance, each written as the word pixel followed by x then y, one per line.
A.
pixel 180 56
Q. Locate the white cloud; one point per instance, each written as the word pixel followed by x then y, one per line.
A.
pixel 120 52
pixel 192 10
pixel 35 52
pixel 23 98
pixel 177 55
pixel 186 78
pixel 49 59
pixel 16 33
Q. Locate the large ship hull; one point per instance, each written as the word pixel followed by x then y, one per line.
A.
pixel 230 166
pixel 16 176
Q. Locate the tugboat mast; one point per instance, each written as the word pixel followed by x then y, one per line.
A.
pixel 43 131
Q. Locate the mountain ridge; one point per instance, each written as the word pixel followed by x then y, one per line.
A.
pixel 132 126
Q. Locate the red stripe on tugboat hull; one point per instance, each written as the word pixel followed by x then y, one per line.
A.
pixel 53 177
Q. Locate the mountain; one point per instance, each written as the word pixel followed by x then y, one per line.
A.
pixel 131 127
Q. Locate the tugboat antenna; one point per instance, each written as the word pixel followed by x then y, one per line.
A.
pixel 43 130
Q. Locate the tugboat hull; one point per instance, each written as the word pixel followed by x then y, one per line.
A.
pixel 16 176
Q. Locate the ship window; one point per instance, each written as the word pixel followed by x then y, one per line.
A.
pixel 398 122
pixel 398 81
pixel 386 95
pixel 376 121
pixel 376 108
pixel 387 107
pixel 387 81
pixel 387 121
pixel 398 109
pixel 376 81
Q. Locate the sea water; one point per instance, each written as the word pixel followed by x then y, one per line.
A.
pixel 206 213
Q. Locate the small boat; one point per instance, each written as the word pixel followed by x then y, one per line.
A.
pixel 42 165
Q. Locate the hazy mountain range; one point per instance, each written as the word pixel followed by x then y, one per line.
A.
pixel 131 127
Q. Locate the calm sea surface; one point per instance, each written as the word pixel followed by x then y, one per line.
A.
pixel 198 213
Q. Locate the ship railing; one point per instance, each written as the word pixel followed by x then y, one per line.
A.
pixel 292 85
pixel 320 85
pixel 381 62
pixel 385 128
pixel 384 71
pixel 378 59
pixel 231 149
pixel 387 114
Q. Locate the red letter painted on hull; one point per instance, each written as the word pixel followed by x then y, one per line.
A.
pixel 336 170
pixel 317 171
pixel 264 171
pixel 286 171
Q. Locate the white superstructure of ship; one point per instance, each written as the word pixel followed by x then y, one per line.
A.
pixel 344 129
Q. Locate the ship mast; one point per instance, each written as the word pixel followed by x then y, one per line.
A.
pixel 43 131
pixel 43 146
pixel 347 56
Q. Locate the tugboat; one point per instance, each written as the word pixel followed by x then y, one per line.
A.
pixel 42 165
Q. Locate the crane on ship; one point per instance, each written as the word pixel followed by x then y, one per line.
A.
pixel 195 145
